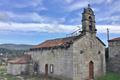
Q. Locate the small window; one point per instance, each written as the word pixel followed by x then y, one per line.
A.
pixel 81 51
pixel 99 52
pixel 90 18
pixel 90 27
pixel 51 68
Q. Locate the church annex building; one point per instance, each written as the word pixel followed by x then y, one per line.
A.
pixel 80 57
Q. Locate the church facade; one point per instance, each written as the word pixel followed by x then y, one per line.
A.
pixel 80 57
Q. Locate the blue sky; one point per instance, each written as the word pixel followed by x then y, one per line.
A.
pixel 33 21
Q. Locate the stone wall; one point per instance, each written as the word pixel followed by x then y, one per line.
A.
pixel 114 48
pixel 85 50
pixel 62 59
pixel 16 69
pixel 113 63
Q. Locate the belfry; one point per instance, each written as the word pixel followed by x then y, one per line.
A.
pixel 88 20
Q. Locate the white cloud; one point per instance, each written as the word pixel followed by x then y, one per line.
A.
pixel 4 16
pixel 96 1
pixel 110 18
pixel 112 28
pixel 52 28
pixel 32 3
pixel 112 8
pixel 10 16
pixel 115 7
pixel 30 16
pixel 69 1
pixel 82 4
pixel 36 27
pixel 27 17
pixel 77 5
pixel 109 1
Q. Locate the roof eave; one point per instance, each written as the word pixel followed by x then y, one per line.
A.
pixel 101 41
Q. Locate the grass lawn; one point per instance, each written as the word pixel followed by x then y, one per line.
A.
pixel 110 76
pixel 39 77
pixel 32 78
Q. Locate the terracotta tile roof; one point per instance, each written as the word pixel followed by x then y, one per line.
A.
pixel 57 42
pixel 115 39
pixel 21 60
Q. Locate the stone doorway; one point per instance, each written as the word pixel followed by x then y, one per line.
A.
pixel 46 70
pixel 36 67
pixel 91 70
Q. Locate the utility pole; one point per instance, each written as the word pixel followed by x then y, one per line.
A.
pixel 107 57
pixel 107 34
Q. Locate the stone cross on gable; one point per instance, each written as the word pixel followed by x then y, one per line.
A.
pixel 88 5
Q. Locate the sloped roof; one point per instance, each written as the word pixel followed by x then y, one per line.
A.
pixel 21 60
pixel 60 42
pixel 115 39
pixel 101 41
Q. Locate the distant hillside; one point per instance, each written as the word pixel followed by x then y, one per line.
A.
pixel 16 46
pixel 11 53
pixel 13 50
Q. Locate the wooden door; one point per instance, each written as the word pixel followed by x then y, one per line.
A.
pixel 91 70
pixel 46 70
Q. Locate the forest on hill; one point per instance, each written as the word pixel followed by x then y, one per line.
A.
pixel 13 50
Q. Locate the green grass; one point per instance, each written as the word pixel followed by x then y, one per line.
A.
pixel 110 76
pixel 10 77
pixel 40 77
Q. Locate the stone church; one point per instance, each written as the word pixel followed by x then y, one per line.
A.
pixel 114 55
pixel 80 57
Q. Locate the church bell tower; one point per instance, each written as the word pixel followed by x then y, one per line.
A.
pixel 88 21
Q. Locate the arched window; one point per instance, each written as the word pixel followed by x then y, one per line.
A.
pixel 51 68
pixel 91 70
pixel 90 18
pixel 90 27
pixel 90 23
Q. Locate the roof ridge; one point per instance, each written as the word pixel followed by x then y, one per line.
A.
pixel 58 42
pixel 60 38
pixel 115 39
